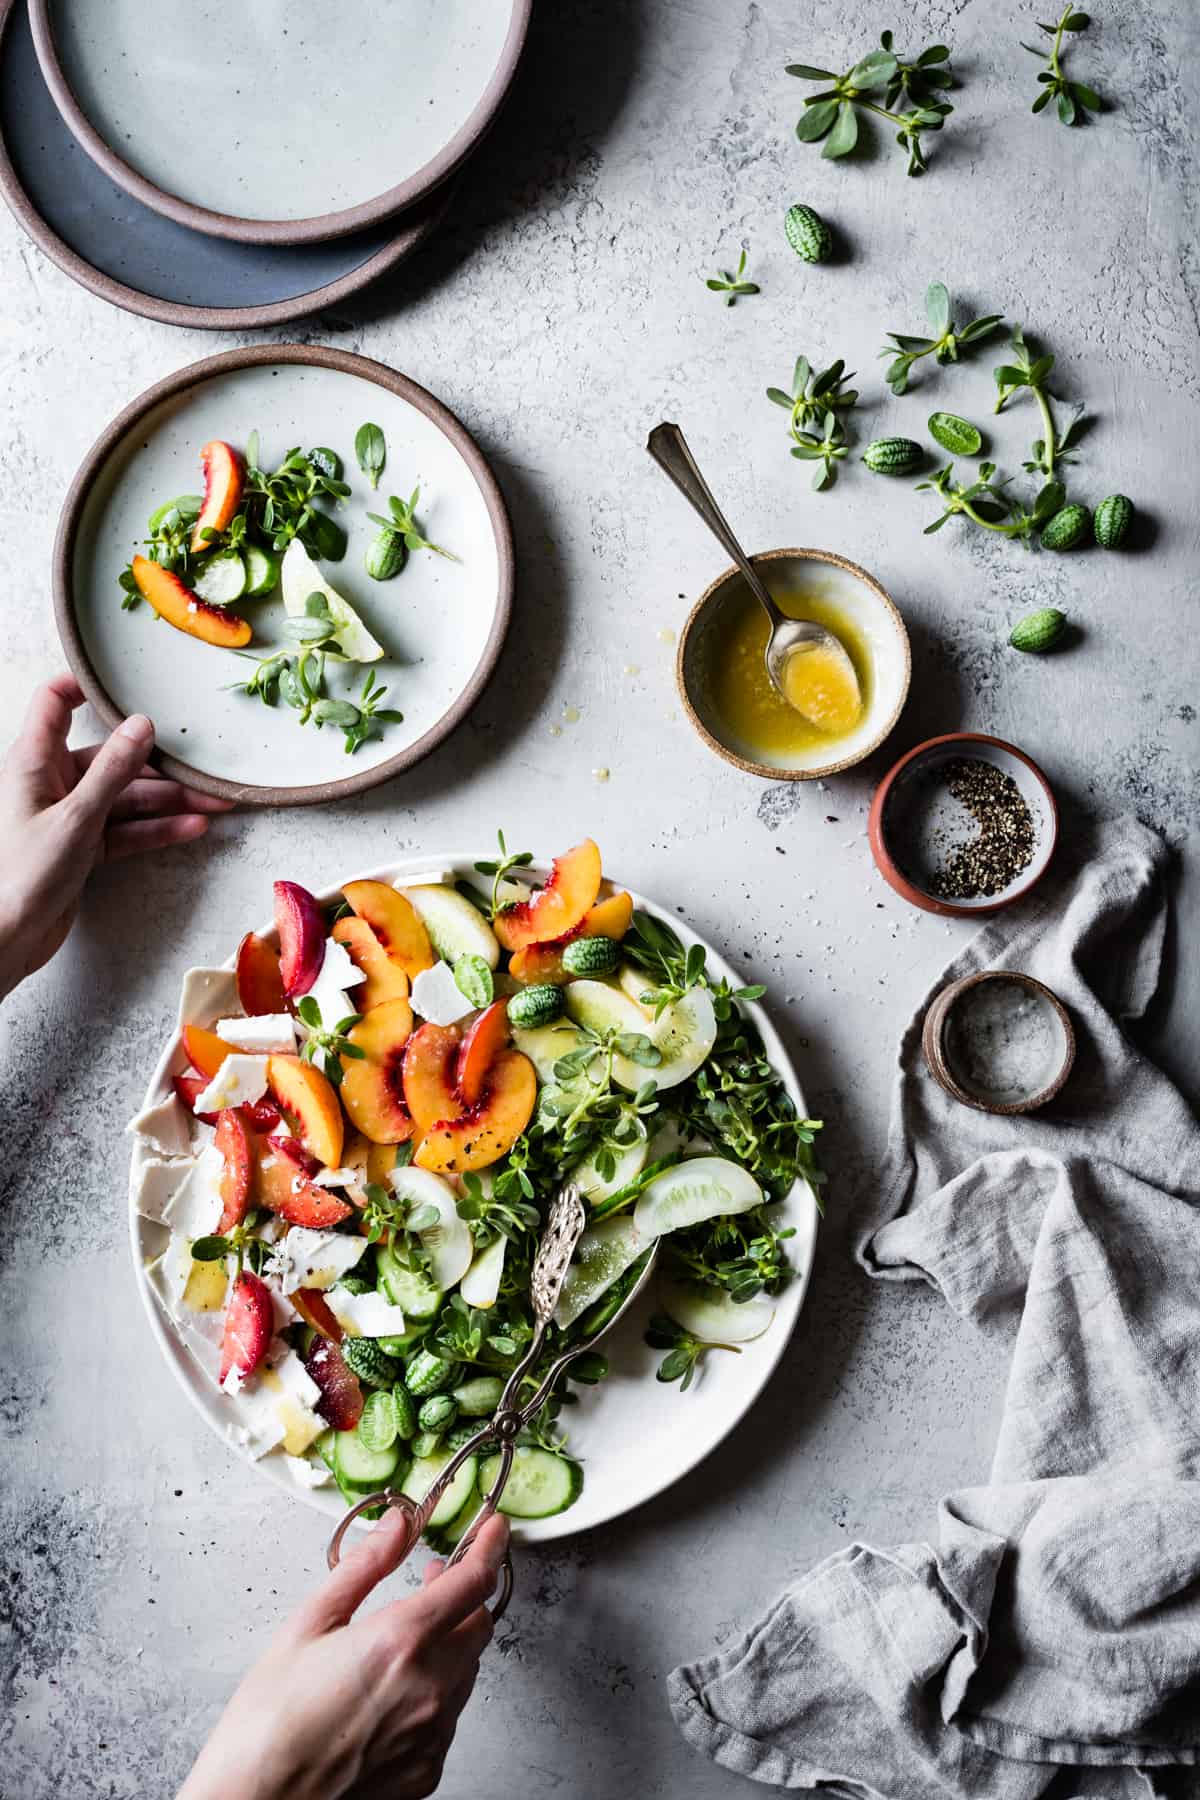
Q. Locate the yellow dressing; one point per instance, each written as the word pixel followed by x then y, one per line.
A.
pixel 741 692
pixel 818 682
pixel 205 1290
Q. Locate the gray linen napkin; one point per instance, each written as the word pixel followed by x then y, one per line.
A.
pixel 1051 1640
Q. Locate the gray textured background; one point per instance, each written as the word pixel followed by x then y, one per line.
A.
pixel 561 313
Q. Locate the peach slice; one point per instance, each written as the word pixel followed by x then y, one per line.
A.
pixel 205 1050
pixel 373 1085
pixel 310 1105
pixel 259 982
pixel 301 927
pixel 485 1039
pixel 223 479
pixel 236 1147
pixel 396 923
pixel 310 1303
pixel 385 978
pixel 381 1160
pixel 489 1130
pixel 430 1074
pixel 609 918
pixel 560 906
pixel 175 602
pixel 284 1189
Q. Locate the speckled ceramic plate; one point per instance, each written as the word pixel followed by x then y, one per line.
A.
pixel 120 250
pixel 441 622
pixel 635 1435
pixel 281 121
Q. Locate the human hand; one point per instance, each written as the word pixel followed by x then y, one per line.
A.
pixel 364 1708
pixel 64 811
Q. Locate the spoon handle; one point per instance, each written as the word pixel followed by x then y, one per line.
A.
pixel 668 446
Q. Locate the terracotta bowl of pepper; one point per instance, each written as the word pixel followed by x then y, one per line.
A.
pixel 963 824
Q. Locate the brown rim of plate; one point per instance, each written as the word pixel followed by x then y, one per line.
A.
pixel 280 231
pixel 409 238
pixel 886 863
pixel 933 1041
pixel 768 771
pixel 317 355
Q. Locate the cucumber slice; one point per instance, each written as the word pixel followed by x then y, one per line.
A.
pixel 222 579
pixel 409 1289
pixel 404 1341
pixel 539 1484
pixel 481 1283
pixel 479 1396
pixel 184 506
pixel 455 927
pixel 449 1243
pixel 593 1186
pixel 684 1033
pixel 363 1468
pixel 544 1044
pixel 421 1477
pixel 712 1315
pixel 703 1187
pixel 603 1008
pixel 456 1530
pixel 262 571
pixel 603 1254
pixel 300 577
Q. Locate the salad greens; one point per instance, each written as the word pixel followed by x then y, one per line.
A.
pixel 370 448
pixel 879 83
pixel 732 286
pixel 947 340
pixel 1074 100
pixel 818 406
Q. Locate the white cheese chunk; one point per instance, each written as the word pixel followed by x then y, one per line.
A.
pixel 234 1381
pixel 426 878
pixel 165 1126
pixel 240 1081
pixel 365 1315
pixel 307 1474
pixel 339 973
pixel 266 1034
pixel 206 995
pixel 315 1259
pixel 153 1180
pixel 436 996
pixel 335 1178
pixel 194 1210
pixel 255 1425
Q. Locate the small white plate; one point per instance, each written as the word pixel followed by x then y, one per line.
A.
pixel 441 622
pixel 278 121
pixel 635 1435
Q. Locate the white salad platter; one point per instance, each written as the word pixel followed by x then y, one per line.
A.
pixel 633 1435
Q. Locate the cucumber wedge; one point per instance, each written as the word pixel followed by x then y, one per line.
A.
pixel 421 1477
pixel 593 1186
pixel 711 1315
pixel 703 1187
pixel 456 1530
pixel 455 927
pixel 410 1289
pixel 603 1254
pixel 449 1243
pixel 603 1008
pixel 539 1485
pixel 544 1044
pixel 481 1283
pixel 300 577
pixel 222 579
pixel 262 572
pixel 683 1034
pixel 363 1468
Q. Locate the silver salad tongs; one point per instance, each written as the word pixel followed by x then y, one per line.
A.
pixel 563 1229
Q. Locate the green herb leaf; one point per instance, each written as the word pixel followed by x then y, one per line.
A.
pixel 474 980
pixel 370 448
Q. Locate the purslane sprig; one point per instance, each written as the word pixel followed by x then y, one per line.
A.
pixel 732 286
pixel 831 116
pixel 817 407
pixel 499 868
pixel 1022 371
pixel 329 1041
pixel 685 1353
pixel 401 522
pixel 282 502
pixel 945 343
pixel 1074 100
pixel 299 681
pixel 1002 515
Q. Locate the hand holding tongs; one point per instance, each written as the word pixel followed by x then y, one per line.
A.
pixel 564 1228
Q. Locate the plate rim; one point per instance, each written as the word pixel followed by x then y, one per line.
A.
pixel 408 241
pixel 318 227
pixel 345 362
pixel 547 1530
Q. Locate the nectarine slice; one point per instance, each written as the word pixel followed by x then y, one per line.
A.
pixel 284 1189
pixel 557 908
pixel 236 1147
pixel 385 978
pixel 259 982
pixel 301 927
pixel 223 480
pixel 310 1106
pixel 485 1039
pixel 396 923
pixel 373 1085
pixel 205 1050
pixel 313 1308
pixel 610 917
pixel 490 1129
pixel 176 603
pixel 431 1074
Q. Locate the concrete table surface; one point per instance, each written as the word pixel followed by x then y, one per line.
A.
pixel 562 312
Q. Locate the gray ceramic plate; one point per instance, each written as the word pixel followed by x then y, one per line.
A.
pixel 121 251
pixel 278 121
pixel 441 623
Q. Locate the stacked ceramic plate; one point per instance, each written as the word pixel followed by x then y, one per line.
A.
pixel 231 166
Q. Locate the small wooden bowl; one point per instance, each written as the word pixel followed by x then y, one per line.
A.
pixel 947 1062
pixel 907 793
pixel 877 617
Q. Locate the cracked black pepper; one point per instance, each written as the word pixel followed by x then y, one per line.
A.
pixel 1004 846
